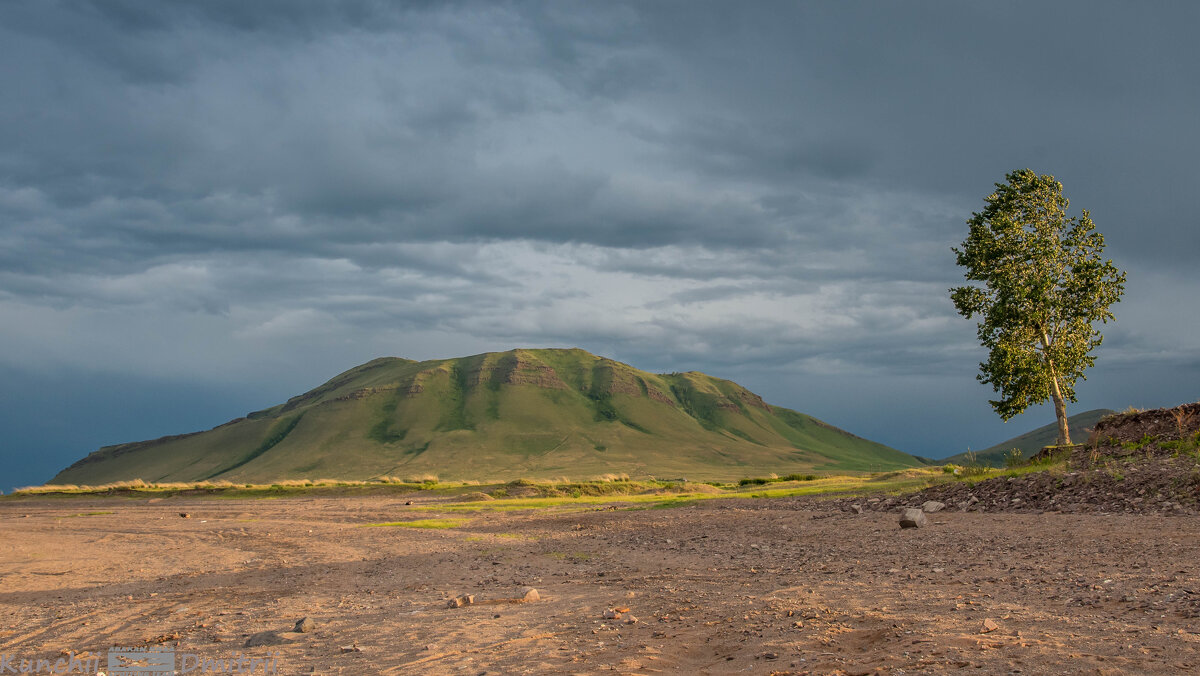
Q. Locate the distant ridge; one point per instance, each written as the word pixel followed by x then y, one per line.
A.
pixel 1031 442
pixel 498 416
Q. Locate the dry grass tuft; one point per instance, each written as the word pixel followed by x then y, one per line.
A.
pixel 610 478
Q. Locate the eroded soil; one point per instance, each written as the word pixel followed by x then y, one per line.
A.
pixel 718 586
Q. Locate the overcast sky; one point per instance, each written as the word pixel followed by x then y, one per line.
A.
pixel 208 207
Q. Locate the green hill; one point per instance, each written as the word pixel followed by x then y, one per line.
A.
pixel 499 416
pixel 1030 443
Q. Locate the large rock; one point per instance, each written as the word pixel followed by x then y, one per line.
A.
pixel 265 638
pixel 932 506
pixel 913 518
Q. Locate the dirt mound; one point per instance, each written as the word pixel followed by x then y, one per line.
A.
pixel 1146 461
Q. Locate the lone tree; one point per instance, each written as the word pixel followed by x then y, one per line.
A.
pixel 1044 284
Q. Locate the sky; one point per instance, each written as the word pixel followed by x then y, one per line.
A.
pixel 207 208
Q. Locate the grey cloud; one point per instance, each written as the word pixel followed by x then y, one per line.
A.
pixel 226 190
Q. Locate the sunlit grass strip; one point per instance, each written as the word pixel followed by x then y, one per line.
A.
pixel 896 482
pixel 633 493
pixel 420 523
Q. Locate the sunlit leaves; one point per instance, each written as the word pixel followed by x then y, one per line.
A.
pixel 1041 286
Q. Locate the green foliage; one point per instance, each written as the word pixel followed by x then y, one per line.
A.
pixel 1043 286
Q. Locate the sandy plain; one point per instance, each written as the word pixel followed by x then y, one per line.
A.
pixel 728 586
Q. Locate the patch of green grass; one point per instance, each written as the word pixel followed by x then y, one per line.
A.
pixel 419 523
pixel 1138 445
pixel 760 481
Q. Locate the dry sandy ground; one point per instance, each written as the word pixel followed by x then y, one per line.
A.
pixel 718 587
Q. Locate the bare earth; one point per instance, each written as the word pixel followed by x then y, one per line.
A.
pixel 719 586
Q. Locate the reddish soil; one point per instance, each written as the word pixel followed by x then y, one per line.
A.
pixel 718 587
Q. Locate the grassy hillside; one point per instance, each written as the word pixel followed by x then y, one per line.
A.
pixel 498 416
pixel 1031 442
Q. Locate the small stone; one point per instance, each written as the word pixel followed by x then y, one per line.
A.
pixel 989 625
pixel 185 515
pixel 932 506
pixel 855 509
pixel 265 638
pixel 355 649
pixel 630 619
pixel 305 625
pixel 799 624
pixel 460 601
pixel 407 503
pixel 913 518
pixel 529 595
pixel 612 614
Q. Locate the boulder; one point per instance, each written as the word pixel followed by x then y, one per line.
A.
pixel 913 518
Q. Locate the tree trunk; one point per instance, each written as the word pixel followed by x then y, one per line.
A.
pixel 1060 410
pixel 1060 407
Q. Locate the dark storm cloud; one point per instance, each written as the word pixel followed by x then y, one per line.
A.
pixel 708 186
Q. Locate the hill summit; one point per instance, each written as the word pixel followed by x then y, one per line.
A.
pixel 500 416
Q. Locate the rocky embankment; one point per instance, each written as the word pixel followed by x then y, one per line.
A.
pixel 1143 462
